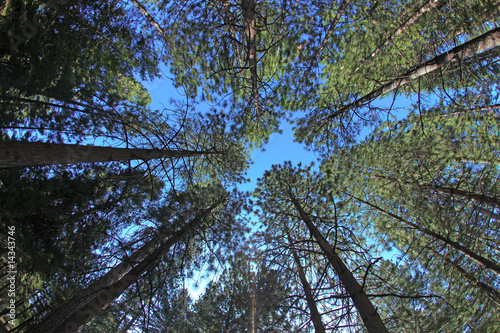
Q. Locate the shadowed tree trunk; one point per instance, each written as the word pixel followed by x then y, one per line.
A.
pixel 23 154
pixel 131 322
pixel 152 21
pixel 492 293
pixel 478 259
pixel 408 23
pixel 79 310
pixel 477 198
pixel 311 303
pixel 366 310
pixel 248 7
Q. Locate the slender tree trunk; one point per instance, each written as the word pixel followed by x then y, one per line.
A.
pixel 21 100
pixel 478 259
pixel 248 7
pixel 311 303
pixel 366 310
pixel 408 23
pixel 23 154
pixel 492 293
pixel 465 111
pixel 74 314
pixel 487 212
pixel 252 279
pixel 478 198
pixel 331 30
pixel 479 44
pixel 130 323
pixel 152 21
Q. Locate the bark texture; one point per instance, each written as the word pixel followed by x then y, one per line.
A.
pixel 23 154
pixel 78 311
pixel 248 7
pixel 311 303
pixel 477 45
pixel 478 259
pixel 366 310
pixel 408 23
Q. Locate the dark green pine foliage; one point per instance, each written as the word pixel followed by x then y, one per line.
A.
pixel 423 191
pixel 66 213
pixel 68 69
pixel 232 54
pixel 63 216
pixel 247 297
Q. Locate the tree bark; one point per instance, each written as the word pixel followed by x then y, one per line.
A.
pixel 79 310
pixel 479 44
pixel 311 303
pixel 248 7
pixel 331 30
pixel 15 154
pixel 477 198
pixel 366 310
pixel 131 322
pixel 152 21
pixel 416 15
pixel 492 293
pixel 466 195
pixel 478 259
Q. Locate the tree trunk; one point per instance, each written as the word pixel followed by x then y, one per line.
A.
pixel 492 293
pixel 416 15
pixel 478 259
pixel 80 310
pixel 151 20
pixel 15 154
pixel 311 303
pixel 477 198
pixel 465 111
pixel 248 7
pixel 366 310
pixel 479 44
pixel 331 30
pixel 130 323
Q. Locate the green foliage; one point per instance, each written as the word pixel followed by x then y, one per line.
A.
pixel 68 69
pixel 247 295
pixel 401 173
pixel 73 72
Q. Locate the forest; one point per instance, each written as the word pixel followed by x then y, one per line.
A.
pixel 116 207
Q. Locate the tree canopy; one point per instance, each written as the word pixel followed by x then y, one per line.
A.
pixel 122 211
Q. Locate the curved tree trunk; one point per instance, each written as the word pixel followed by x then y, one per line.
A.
pixel 408 23
pixel 15 154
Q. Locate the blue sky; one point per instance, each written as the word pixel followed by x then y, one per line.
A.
pixel 280 148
